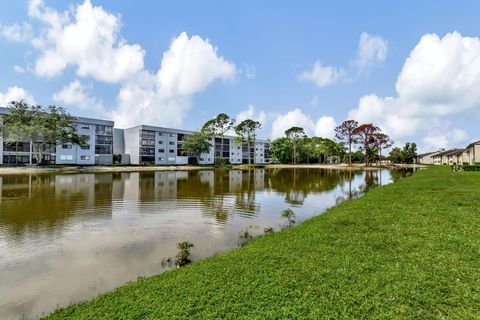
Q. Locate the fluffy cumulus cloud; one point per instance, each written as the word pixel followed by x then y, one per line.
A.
pixel 322 75
pixel 187 68
pixel 371 49
pixel 440 77
pixel 85 38
pixel 16 32
pixel 323 127
pixel 250 113
pixel 77 95
pixel 440 140
pixel 15 94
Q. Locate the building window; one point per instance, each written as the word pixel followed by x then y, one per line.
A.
pixel 66 146
pixel 171 151
pixel 161 150
pixel 160 134
pixel 171 135
pixel 172 143
pixel 85 147
pixel 85 126
pixel 66 157
pixel 171 159
pixel 84 157
pixel 161 158
pixel 160 142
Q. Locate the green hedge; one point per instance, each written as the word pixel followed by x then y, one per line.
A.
pixel 474 167
pixel 468 167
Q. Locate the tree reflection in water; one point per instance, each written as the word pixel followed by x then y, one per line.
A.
pixel 38 203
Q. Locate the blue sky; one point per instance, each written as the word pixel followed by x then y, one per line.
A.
pixel 284 63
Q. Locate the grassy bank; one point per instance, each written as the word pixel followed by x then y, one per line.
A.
pixel 406 250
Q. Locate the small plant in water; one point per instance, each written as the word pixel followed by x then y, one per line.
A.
pixel 166 263
pixel 290 215
pixel 246 234
pixel 268 230
pixel 183 255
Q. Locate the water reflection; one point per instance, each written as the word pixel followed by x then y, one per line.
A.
pixel 68 237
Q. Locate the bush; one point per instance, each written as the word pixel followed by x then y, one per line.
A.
pixel 471 168
pixel 183 256
pixel 290 215
pixel 221 162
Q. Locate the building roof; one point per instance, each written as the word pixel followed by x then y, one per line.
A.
pixel 473 143
pixel 425 154
pixel 450 152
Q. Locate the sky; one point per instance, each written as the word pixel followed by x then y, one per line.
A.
pixel 410 67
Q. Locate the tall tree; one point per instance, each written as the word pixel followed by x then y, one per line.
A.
pixel 410 152
pixel 295 134
pixel 281 149
pixel 365 134
pixel 246 134
pixel 39 126
pixel 196 143
pixel 346 132
pixel 382 141
pixel 218 126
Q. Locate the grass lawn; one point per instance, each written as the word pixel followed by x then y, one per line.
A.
pixel 407 250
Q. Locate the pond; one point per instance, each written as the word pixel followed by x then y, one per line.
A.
pixel 65 238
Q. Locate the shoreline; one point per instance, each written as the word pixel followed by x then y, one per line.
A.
pixel 372 246
pixel 106 169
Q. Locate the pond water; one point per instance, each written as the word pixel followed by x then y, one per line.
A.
pixel 68 237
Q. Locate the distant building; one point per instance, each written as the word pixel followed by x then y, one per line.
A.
pixel 163 146
pixel 98 150
pixel 470 155
pixel 137 145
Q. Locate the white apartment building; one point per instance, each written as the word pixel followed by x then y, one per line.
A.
pixel 163 146
pixel 98 150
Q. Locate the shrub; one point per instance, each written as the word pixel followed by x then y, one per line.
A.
pixel 247 234
pixel 183 256
pixel 268 230
pixel 290 215
pixel 221 162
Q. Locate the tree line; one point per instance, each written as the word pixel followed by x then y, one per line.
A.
pixel 296 147
pixel 50 126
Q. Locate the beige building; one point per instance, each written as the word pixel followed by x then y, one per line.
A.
pixel 426 158
pixel 470 155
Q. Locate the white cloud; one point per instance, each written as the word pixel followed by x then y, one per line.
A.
pixel 86 38
pixel 249 113
pixel 187 68
pixel 16 32
pixel 445 139
pixel 18 69
pixel 371 49
pixel 322 75
pixel 325 127
pixel 190 65
pixel 440 77
pixel 15 94
pixel 76 94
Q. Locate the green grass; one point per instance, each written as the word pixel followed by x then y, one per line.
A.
pixel 407 250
